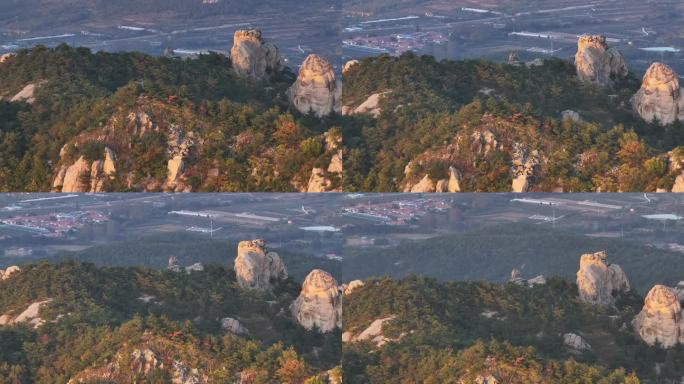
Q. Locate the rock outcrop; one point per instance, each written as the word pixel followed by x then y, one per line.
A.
pixel 373 333
pixel 30 315
pixel 523 168
pixel 598 63
pixel 660 97
pixel 316 89
pixel 6 56
pixel 7 273
pixel 321 179
pixel 598 281
pixel 660 321
pixel 319 304
pixel 678 186
pixel 253 57
pixel 575 342
pixel 85 176
pixel 347 66
pixel 351 286
pixel 133 364
pixel 516 278
pixel 27 93
pixel 451 184
pixel 234 326
pixel 178 148
pixel 370 106
pixel 256 268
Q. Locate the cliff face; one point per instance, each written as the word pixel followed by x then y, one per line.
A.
pixel 81 170
pixel 319 304
pixel 660 321
pixel 598 63
pixel 316 89
pixel 660 96
pixel 253 57
pixel 256 268
pixel 598 281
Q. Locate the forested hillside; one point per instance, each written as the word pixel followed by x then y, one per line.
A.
pixel 492 123
pixel 448 332
pixel 140 325
pixel 150 123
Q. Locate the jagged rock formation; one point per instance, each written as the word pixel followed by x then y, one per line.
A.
pixel 660 321
pixel 131 364
pixel 124 131
pixel 173 264
pixel 256 268
pixel 451 184
pixel 234 326
pixel 319 304
pixel 351 286
pixel 29 315
pixel 597 63
pixel 598 281
pixel 316 89
pixel 372 333
pixel 253 57
pixel 85 176
pixel 523 168
pixel 7 273
pixel 347 66
pixel 576 342
pixel 660 96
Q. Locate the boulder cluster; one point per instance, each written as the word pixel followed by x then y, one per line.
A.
pixel 319 304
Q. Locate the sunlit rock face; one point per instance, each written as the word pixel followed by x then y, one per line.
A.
pixel 85 176
pixel 598 63
pixel 319 304
pixel 255 268
pixel 660 97
pixel 347 66
pixel 252 57
pixel 660 321
pixel 316 89
pixel 598 281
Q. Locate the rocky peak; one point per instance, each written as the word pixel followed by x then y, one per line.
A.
pixel 256 268
pixel 598 281
pixel 660 96
pixel 253 57
pixel 319 304
pixel 524 164
pixel 598 63
pixel 660 321
pixel 316 89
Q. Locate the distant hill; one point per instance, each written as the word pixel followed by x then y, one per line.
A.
pixel 490 253
pixel 446 332
pixel 123 325
pixel 153 251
